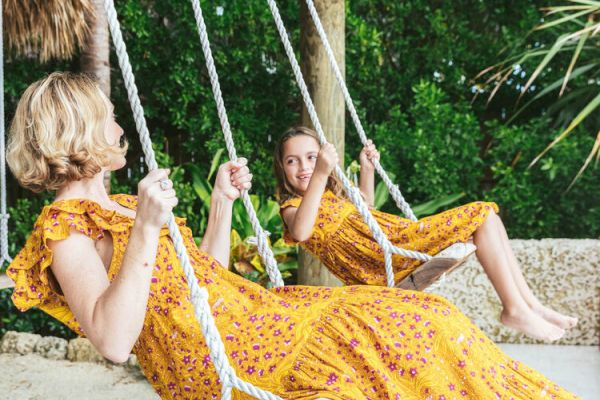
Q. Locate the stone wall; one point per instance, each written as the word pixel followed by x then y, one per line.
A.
pixel 563 273
pixel 53 348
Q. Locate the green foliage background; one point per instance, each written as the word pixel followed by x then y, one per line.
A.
pixel 410 65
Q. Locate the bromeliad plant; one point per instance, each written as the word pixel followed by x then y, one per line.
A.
pixel 244 255
pixel 578 27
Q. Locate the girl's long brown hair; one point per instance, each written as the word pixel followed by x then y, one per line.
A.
pixel 284 191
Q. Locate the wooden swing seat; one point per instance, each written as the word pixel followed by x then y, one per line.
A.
pixel 6 282
pixel 444 262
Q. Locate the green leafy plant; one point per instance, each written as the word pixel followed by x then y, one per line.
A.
pixel 382 194
pixel 577 27
pixel 248 263
pixel 533 202
pixel 244 255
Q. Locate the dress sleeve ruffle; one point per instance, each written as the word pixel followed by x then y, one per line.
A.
pixel 293 202
pixel 29 269
pixel 314 242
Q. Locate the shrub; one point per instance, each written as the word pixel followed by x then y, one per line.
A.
pixel 534 201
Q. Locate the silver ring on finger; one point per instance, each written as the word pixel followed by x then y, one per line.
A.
pixel 164 184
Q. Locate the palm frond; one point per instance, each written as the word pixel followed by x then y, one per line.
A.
pixel 576 54
pixel 560 42
pixel 573 105
pixel 564 19
pixel 587 110
pixel 553 86
pixel 48 29
pixel 595 152
pixel 592 3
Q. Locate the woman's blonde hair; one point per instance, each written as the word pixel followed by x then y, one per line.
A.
pixel 58 132
pixel 284 191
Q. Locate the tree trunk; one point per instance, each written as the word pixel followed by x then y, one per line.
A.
pixel 95 57
pixel 328 101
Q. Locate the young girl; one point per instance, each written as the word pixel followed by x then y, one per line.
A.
pixel 319 218
pixel 106 266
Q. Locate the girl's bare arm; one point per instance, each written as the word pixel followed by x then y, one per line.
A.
pixel 367 172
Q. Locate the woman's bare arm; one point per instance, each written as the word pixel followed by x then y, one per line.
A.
pixel 112 314
pixel 232 177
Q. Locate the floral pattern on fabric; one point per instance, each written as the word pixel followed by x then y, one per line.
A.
pixel 344 243
pixel 299 342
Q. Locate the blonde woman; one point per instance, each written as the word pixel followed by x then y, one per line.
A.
pixel 105 266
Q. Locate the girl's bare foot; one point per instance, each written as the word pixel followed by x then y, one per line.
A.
pixel 531 324
pixel 554 317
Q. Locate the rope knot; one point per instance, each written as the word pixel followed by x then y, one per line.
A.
pixel 253 240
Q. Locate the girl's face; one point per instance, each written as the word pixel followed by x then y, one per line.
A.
pixel 113 133
pixel 299 159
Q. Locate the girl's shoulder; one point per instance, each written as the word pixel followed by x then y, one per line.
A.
pixel 292 202
pixel 328 197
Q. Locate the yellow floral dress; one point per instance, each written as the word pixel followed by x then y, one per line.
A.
pixel 355 342
pixel 345 245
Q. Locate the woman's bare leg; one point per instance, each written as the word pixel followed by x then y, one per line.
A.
pixel 516 312
pixel 554 317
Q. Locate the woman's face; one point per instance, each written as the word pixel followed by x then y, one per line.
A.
pixel 299 158
pixel 113 133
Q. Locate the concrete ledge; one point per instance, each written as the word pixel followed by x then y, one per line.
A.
pixel 563 273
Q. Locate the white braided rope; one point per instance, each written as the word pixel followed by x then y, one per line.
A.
pixel 353 193
pixel 4 256
pixel 199 296
pixel 394 190
pixel 261 236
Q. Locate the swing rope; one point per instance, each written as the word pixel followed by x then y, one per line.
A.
pixel 4 216
pixel 261 235
pixel 394 190
pixel 199 296
pixel 353 192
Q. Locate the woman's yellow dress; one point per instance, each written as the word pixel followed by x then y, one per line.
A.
pixel 355 342
pixel 345 245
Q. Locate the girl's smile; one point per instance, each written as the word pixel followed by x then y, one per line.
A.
pixel 300 155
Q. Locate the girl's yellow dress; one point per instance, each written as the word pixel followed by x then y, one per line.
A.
pixel 345 245
pixel 355 342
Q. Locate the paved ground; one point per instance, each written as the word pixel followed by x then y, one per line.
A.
pixel 576 368
pixel 31 377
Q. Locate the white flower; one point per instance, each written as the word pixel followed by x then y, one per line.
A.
pixel 517 69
